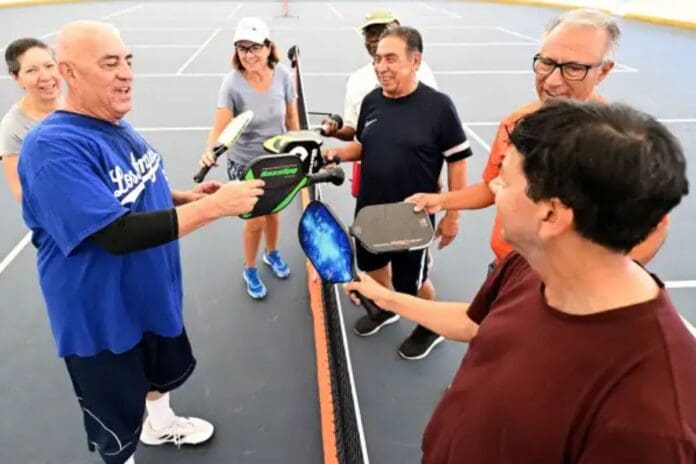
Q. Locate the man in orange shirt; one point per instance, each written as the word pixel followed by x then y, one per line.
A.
pixel 574 58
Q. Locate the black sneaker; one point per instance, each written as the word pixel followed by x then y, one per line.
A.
pixel 420 343
pixel 366 326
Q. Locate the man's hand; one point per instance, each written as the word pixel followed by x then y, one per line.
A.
pixel 431 203
pixel 181 197
pixel 447 230
pixel 369 288
pixel 208 187
pixel 329 127
pixel 237 197
pixel 330 156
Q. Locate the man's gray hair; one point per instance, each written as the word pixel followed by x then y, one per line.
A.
pixel 594 18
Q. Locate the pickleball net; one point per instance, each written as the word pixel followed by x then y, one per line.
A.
pixel 342 432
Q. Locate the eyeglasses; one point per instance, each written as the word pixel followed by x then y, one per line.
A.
pixel 570 70
pixel 255 49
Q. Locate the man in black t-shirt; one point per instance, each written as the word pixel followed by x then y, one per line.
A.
pixel 406 131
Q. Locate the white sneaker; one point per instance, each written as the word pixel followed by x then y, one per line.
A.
pixel 182 431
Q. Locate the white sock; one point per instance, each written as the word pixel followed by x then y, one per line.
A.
pixel 159 412
pixel 131 460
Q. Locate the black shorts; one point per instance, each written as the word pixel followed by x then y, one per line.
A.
pixel 409 269
pixel 235 170
pixel 111 389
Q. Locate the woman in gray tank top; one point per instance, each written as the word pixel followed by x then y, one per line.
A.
pixel 258 83
pixel 32 66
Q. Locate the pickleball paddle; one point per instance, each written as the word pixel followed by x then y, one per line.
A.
pixel 226 139
pixel 284 177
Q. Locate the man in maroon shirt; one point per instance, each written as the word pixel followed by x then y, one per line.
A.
pixel 576 353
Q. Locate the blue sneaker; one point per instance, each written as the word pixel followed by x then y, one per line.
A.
pixel 255 288
pixel 279 267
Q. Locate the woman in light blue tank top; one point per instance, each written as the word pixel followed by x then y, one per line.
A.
pixel 260 84
pixel 31 65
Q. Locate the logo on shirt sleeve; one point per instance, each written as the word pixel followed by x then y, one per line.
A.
pixel 369 122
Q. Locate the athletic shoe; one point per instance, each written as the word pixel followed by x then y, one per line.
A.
pixel 278 266
pixel 419 344
pixel 366 326
pixel 181 431
pixel 255 288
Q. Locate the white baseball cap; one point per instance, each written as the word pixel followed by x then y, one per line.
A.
pixel 251 29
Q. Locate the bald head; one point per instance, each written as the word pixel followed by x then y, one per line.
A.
pixel 96 66
pixel 82 37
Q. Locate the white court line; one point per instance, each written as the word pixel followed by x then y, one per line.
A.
pixel 456 28
pixel 480 44
pixel 15 251
pixel 202 28
pixel 668 284
pixel 184 17
pixel 619 66
pixel 678 121
pixel 470 133
pixel 45 36
pixel 356 403
pixel 467 127
pixel 662 120
pixel 198 52
pixel 449 13
pixel 495 72
pixel 185 7
pixel 122 12
pixel 625 67
pixel 468 72
pixel 688 325
pixel 162 28
pixel 481 123
pixel 335 11
pixel 27 239
pixel 234 12
pixel 110 15
pixel 517 34
pixel 680 284
pixel 163 46
pixel 299 28
pixel 173 129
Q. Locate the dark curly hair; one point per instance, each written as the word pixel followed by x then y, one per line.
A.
pixel 619 170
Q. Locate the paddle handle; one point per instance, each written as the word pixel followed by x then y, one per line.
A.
pixel 217 151
pixel 336 176
pixel 334 117
pixel 370 306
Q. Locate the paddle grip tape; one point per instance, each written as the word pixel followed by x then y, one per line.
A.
pixel 217 151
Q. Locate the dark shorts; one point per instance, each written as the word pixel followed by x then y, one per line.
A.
pixel 235 171
pixel 409 268
pixel 111 389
